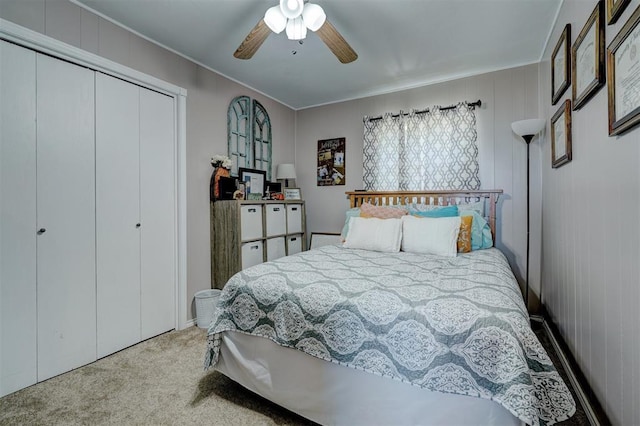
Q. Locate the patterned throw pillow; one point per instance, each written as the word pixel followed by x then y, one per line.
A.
pixel 381 212
pixel 464 237
pixel 447 211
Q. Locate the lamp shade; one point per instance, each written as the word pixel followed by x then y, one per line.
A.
pixel 296 30
pixel 291 8
pixel 275 20
pixel 286 171
pixel 313 16
pixel 528 127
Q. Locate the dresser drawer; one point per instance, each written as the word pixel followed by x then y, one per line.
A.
pixel 294 218
pixel 275 248
pixel 251 222
pixel 252 254
pixel 276 219
pixel 294 244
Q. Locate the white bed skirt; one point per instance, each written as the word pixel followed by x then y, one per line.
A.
pixel 332 394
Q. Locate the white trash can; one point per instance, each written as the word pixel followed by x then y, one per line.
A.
pixel 206 301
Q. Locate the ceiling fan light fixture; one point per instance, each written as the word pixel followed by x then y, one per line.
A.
pixel 296 30
pixel 291 9
pixel 275 20
pixel 313 16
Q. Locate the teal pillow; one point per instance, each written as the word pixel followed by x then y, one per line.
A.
pixel 480 231
pixel 354 212
pixel 448 211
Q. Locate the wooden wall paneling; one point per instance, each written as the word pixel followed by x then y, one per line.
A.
pixel 18 328
pixel 66 209
pixel 503 155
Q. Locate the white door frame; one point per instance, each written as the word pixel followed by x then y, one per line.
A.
pixel 45 44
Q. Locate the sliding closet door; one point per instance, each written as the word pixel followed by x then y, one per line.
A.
pixel 157 204
pixel 17 218
pixel 117 214
pixel 66 294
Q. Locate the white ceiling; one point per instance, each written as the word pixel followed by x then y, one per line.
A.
pixel 400 43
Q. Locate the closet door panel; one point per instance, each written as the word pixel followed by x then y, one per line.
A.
pixel 66 293
pixel 17 218
pixel 117 214
pixel 157 208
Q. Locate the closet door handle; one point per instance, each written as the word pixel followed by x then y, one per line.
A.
pixel 41 231
pixel 137 225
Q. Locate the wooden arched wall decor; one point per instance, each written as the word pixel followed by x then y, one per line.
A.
pixel 249 135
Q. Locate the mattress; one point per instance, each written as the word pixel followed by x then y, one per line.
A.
pixel 440 325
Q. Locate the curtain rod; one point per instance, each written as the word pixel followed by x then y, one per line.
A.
pixel 424 111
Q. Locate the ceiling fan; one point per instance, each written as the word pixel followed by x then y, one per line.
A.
pixel 296 17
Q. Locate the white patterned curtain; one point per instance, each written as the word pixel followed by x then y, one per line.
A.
pixel 422 150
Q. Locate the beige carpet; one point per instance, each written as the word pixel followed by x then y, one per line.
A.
pixel 158 382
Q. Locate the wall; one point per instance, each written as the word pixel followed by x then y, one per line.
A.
pixel 506 96
pixel 208 96
pixel 591 241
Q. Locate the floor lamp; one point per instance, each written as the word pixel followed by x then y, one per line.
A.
pixel 527 129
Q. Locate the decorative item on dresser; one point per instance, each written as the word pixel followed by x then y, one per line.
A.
pixel 246 233
pixel 527 129
pixel 221 166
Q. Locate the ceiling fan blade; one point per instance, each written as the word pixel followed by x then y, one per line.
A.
pixel 336 43
pixel 253 41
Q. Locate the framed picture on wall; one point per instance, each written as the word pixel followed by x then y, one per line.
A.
pixel 331 162
pixel 615 9
pixel 623 77
pixel 561 135
pixel 560 61
pixel 587 59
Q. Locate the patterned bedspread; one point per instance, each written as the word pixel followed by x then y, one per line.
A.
pixel 455 325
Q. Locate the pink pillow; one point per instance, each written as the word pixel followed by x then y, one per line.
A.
pixel 381 212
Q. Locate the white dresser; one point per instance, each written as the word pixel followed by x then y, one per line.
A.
pixel 247 233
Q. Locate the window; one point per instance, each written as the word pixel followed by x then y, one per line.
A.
pixel 248 135
pixel 430 150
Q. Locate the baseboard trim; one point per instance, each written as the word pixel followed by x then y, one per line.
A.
pixel 594 412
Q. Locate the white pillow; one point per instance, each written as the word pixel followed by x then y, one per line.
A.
pixel 374 234
pixel 430 235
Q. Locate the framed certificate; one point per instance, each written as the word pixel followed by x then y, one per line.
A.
pixel 560 60
pixel 615 9
pixel 561 135
pixel 587 59
pixel 623 77
pixel 254 182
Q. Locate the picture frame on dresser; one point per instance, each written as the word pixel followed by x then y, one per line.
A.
pixel 623 80
pixel 292 194
pixel 561 135
pixel 615 9
pixel 254 180
pixel 560 64
pixel 587 59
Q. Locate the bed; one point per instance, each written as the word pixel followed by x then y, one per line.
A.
pixel 353 336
